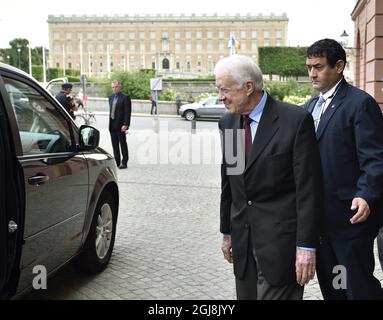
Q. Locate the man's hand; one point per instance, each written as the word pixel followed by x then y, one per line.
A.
pixel 305 266
pixel 363 210
pixel 124 128
pixel 226 248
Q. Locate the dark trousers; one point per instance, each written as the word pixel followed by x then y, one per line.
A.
pixel 356 257
pixel 119 139
pixel 255 287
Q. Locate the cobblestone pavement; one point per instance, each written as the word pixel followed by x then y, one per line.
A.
pixel 168 241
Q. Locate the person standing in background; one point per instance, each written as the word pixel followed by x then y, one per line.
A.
pixel 178 103
pixel 153 109
pixel 120 107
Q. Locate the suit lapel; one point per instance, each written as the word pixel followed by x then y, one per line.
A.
pixel 267 128
pixel 331 109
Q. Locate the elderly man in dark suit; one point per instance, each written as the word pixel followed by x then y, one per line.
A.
pixel 271 193
pixel 349 130
pixel 119 121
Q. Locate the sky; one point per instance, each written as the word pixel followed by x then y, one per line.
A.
pixel 309 20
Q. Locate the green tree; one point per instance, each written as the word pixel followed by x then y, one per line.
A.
pixel 282 89
pixel 37 56
pixel 53 73
pixel 135 84
pixel 19 53
pixel 37 72
pixel 283 61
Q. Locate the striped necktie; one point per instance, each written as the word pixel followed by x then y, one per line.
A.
pixel 318 111
pixel 113 111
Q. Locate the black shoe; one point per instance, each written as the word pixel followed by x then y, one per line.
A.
pixel 123 166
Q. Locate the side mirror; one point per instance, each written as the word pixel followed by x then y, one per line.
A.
pixel 89 138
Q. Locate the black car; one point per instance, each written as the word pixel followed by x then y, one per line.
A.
pixel 58 190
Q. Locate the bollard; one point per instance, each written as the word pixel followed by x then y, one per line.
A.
pixel 193 126
pixel 156 124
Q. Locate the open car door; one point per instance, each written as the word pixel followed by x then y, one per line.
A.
pixel 11 203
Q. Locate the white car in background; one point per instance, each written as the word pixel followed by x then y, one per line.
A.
pixel 208 108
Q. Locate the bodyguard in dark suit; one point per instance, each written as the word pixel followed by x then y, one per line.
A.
pixel 271 193
pixel 349 130
pixel 119 121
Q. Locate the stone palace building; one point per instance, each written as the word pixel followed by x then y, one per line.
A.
pixel 170 44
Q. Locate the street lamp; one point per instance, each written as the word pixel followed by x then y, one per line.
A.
pixel 344 39
pixel 351 55
pixel 19 51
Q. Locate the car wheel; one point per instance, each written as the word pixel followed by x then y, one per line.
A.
pixel 100 241
pixel 190 115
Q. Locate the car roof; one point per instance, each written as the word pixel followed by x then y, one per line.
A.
pixel 13 69
pixel 7 67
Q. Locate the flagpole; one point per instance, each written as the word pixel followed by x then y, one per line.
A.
pixel 30 60
pixel 44 71
pixel 127 61
pixel 81 68
pixel 63 61
pixel 89 65
pixel 108 60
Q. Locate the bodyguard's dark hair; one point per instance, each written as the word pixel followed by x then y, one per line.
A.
pixel 327 48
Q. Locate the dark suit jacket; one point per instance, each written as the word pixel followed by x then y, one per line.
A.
pixel 123 111
pixel 350 138
pixel 283 181
pixel 65 101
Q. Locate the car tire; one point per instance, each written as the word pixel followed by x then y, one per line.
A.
pixel 190 115
pixel 100 241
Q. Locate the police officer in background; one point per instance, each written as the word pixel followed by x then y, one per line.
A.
pixel 66 101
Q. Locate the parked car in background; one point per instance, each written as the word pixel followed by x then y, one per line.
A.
pixel 209 108
pixel 58 190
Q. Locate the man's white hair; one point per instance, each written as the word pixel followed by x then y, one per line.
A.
pixel 241 69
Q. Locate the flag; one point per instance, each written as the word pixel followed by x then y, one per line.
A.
pixel 233 43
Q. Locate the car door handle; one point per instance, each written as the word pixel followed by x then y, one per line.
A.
pixel 37 180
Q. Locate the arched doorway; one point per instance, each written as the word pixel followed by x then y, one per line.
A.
pixel 165 63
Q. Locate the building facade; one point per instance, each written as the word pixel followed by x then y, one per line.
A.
pixel 170 44
pixel 368 18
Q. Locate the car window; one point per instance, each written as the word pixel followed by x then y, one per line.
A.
pixel 210 101
pixel 41 126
